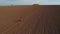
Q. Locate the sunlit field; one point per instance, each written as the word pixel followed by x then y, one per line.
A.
pixel 30 19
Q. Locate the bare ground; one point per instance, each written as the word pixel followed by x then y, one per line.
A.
pixel 30 20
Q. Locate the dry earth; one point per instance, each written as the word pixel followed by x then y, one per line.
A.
pixel 30 20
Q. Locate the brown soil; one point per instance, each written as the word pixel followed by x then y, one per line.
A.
pixel 30 20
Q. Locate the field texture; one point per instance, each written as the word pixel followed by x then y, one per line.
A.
pixel 29 20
